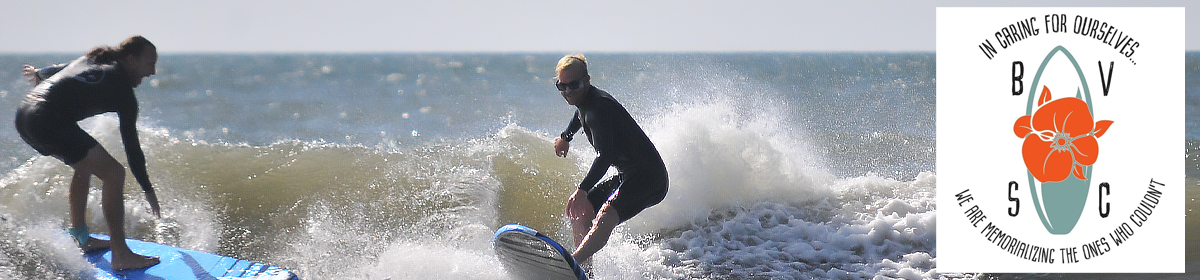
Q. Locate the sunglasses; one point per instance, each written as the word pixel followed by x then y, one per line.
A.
pixel 564 86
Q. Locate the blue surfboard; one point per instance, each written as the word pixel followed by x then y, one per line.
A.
pixel 175 263
pixel 527 254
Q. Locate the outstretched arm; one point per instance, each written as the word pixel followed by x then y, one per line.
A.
pixel 36 76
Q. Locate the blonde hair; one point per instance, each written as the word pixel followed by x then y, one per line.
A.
pixel 574 61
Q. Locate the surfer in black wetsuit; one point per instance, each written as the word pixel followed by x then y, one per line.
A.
pixel 99 82
pixel 641 180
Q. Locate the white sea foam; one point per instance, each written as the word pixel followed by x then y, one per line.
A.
pixel 749 200
pixel 716 158
pixel 874 228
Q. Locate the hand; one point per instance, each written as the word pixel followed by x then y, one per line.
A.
pixel 579 207
pixel 561 147
pixel 29 72
pixel 153 199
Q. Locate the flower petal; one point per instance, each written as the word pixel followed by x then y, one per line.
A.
pixel 1023 127
pixel 1102 127
pixel 1034 151
pixel 1078 172
pixel 1058 167
pixel 1068 115
pixel 1038 160
pixel 1085 151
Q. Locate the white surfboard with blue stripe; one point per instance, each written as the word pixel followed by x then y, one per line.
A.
pixel 527 254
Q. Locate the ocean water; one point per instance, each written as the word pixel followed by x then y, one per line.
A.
pixel 401 166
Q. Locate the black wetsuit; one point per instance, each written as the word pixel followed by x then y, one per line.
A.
pixel 47 118
pixel 641 181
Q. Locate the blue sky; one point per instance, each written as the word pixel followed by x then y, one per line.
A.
pixel 226 26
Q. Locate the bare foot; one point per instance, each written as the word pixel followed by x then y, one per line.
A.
pixel 93 244
pixel 130 260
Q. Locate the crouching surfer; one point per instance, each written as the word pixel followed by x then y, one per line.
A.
pixel 596 208
pixel 99 82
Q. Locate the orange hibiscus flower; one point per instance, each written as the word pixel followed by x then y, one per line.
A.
pixel 1060 138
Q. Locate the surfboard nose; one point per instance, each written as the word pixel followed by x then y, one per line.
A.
pixel 527 254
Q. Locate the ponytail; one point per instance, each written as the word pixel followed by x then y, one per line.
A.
pixel 131 46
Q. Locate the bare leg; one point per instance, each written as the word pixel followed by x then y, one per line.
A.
pixel 581 214
pixel 601 230
pixel 100 163
pixel 580 228
pixel 77 197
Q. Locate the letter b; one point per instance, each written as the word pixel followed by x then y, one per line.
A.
pixel 1018 87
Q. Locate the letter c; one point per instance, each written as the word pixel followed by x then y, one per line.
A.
pixel 1104 207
